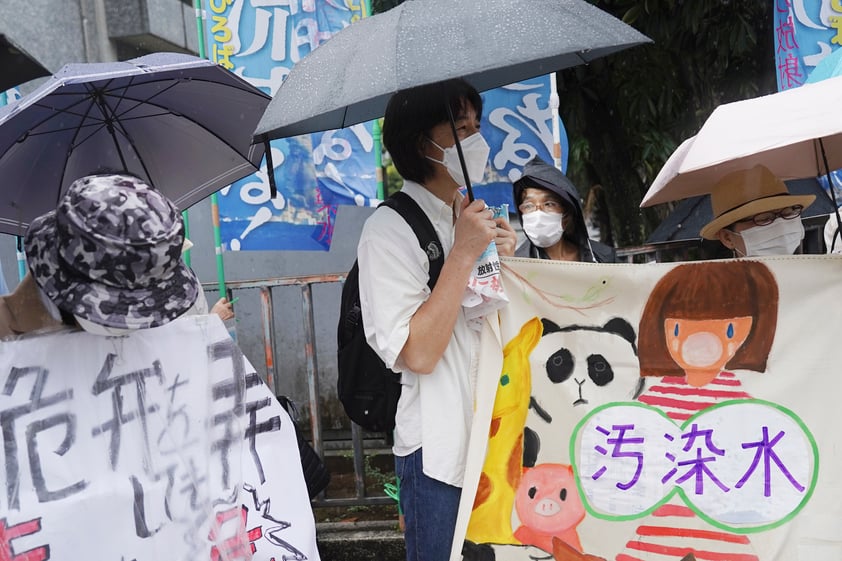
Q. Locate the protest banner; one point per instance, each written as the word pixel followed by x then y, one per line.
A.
pixel 164 444
pixel 261 42
pixel 806 31
pixel 517 124
pixel 649 412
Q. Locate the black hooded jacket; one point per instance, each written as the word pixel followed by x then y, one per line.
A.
pixel 538 173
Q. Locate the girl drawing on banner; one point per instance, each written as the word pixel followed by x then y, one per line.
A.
pixel 701 321
pixel 703 318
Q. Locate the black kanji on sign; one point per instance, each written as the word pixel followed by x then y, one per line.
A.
pixel 37 401
pixel 104 382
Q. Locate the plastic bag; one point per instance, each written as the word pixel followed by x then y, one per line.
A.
pixel 484 293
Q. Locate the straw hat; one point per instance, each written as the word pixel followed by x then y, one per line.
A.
pixel 744 193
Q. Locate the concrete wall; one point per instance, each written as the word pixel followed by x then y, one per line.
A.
pixel 52 32
pixel 58 32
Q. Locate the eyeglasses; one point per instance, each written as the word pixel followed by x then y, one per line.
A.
pixel 764 218
pixel 551 206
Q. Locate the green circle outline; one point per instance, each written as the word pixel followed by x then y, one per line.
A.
pixel 677 490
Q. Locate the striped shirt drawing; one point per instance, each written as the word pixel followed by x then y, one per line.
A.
pixel 673 530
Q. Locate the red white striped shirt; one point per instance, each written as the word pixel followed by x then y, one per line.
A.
pixel 674 530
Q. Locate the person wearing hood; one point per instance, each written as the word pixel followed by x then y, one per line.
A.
pixel 755 214
pixel 551 215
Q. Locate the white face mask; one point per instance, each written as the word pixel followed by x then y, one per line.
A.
pixel 544 229
pixel 476 151
pixel 781 237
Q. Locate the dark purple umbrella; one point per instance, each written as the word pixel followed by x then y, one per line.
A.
pixel 181 123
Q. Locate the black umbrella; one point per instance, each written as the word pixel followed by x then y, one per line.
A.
pixel 350 78
pixel 18 65
pixel 181 123
pixel 690 215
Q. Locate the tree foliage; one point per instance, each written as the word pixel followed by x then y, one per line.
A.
pixel 378 6
pixel 627 112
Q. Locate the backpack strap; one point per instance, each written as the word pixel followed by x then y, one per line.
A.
pixel 429 241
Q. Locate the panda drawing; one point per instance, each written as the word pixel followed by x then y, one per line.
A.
pixel 574 369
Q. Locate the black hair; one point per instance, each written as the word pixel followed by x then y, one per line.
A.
pixel 412 113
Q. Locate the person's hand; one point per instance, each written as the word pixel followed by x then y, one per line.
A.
pixel 475 229
pixel 223 308
pixel 506 238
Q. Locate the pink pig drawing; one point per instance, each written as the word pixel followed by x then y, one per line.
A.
pixel 548 505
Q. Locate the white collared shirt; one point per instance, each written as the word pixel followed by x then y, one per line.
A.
pixel 435 410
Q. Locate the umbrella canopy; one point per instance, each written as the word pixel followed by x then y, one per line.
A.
pixel 785 131
pixel 350 78
pixel 18 65
pixel 181 123
pixel 690 215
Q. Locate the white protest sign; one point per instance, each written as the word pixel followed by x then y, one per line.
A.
pixel 163 445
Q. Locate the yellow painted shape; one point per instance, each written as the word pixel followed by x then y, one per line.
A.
pixel 490 521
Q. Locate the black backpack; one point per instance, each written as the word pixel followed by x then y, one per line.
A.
pixel 368 390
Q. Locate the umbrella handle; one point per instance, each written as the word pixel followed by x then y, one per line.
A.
pixel 459 151
pixel 270 168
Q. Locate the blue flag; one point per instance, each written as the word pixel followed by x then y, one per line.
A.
pixel 806 32
pixel 261 41
pixel 517 124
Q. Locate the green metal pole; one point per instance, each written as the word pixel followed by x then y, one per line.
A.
pixel 200 26
pixel 186 219
pixel 376 133
pixel 217 235
pixel 378 159
pixel 217 243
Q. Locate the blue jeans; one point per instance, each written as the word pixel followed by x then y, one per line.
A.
pixel 429 508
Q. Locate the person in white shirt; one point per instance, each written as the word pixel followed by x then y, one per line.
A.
pixel 424 334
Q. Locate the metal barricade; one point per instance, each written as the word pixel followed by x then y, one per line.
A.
pixel 267 315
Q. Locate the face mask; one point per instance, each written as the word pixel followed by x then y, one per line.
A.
pixel 476 151
pixel 781 237
pixel 543 228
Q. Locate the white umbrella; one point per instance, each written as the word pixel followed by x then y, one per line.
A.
pixel 790 132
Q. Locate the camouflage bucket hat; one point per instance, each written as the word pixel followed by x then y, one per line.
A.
pixel 111 254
